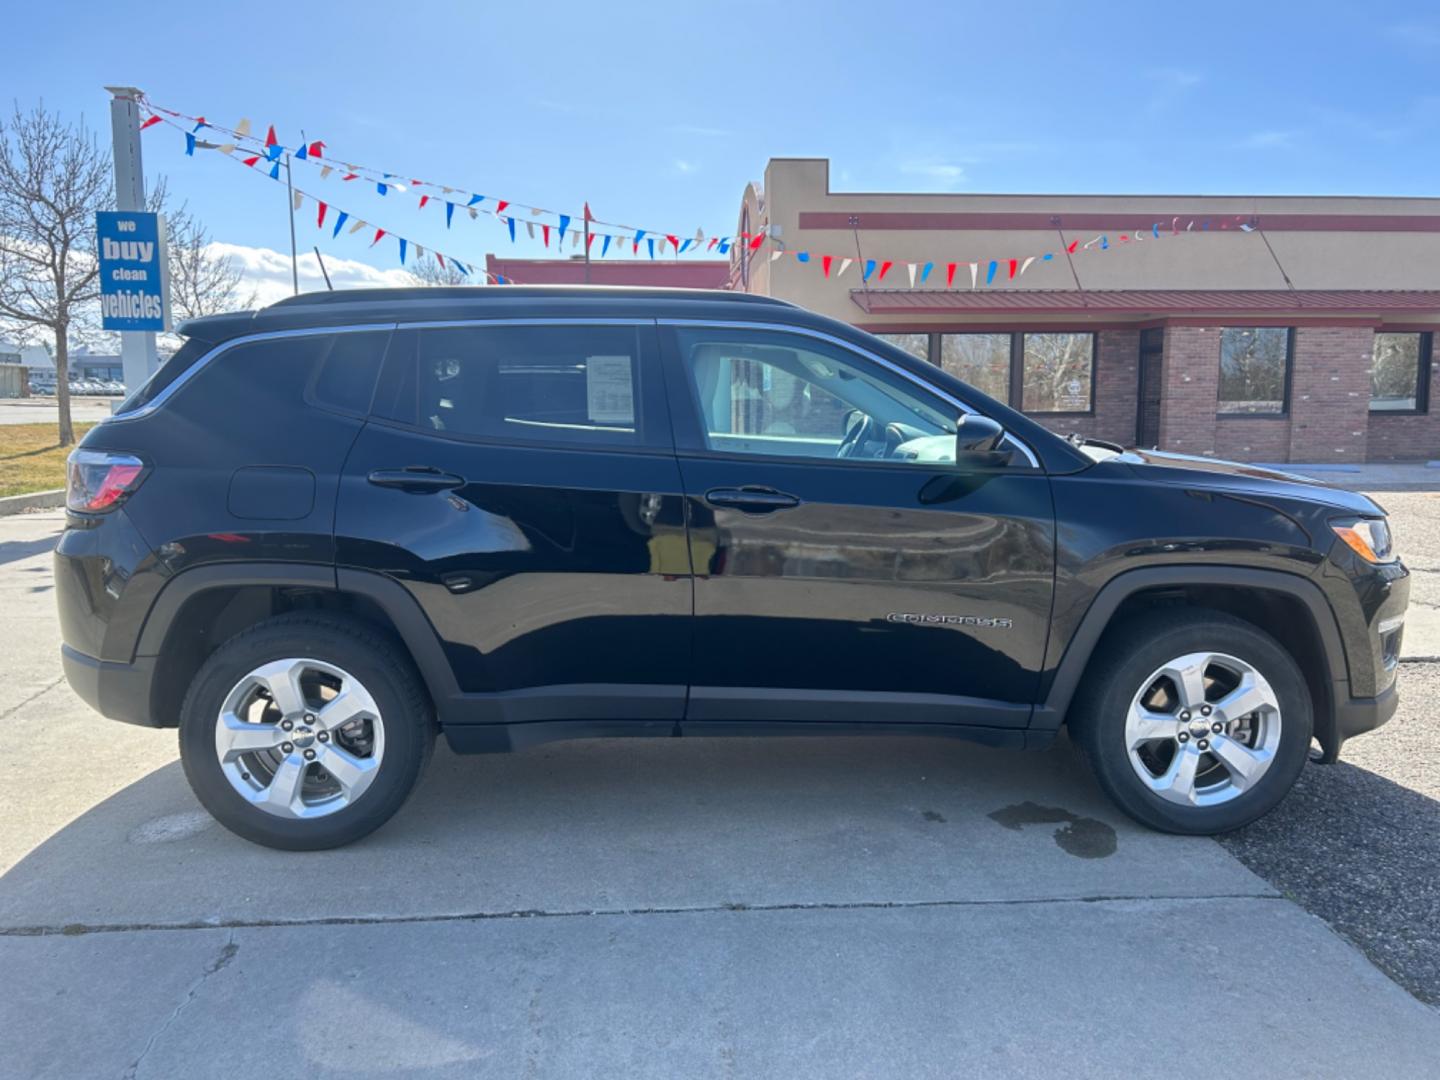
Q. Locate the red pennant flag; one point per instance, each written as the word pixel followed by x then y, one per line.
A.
pixel 950 274
pixel 320 222
pixel 351 176
pixel 317 149
pixel 378 234
pixel 713 241
pixel 674 242
pixel 250 161
pixel 825 264
pixel 590 237
pixel 150 123
pixel 759 239
pixel 270 139
pixel 1070 248
pixel 884 269
pixel 440 259
pixel 1014 265
pixel 500 206
pixel 546 230
pixel 423 200
pixel 588 216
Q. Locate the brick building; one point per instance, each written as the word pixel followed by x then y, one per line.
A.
pixel 1307 338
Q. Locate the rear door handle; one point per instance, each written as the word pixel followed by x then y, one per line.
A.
pixel 416 478
pixel 751 499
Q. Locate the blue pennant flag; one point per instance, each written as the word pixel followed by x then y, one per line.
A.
pixel 990 273
pixel 605 246
pixel 475 200
pixel 189 144
pixel 274 152
pixel 870 269
pixel 925 271
pixel 684 245
pixel 402 251
pixel 449 213
pixel 564 224
pixel 802 256
pixel 500 279
pixel 1155 230
pixel 1047 256
pixel 724 247
pixel 200 124
pixel 652 247
pixel 511 223
pixel 338 222
pixel 381 188
pixel 301 153
pixel 460 266
pixel 1104 242
pixel 639 235
pixel 275 171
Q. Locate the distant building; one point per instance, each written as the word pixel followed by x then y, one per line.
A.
pixel 682 274
pixel 1308 339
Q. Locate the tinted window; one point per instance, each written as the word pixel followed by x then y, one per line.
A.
pixel 346 378
pixel 578 384
pixel 1057 372
pixel 184 358
pixel 1397 373
pixel 917 345
pixel 1254 370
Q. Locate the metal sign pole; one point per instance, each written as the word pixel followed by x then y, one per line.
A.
pixel 137 347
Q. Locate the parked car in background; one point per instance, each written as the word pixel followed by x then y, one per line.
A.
pixel 515 515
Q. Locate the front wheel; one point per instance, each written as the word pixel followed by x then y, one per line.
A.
pixel 304 732
pixel 1193 721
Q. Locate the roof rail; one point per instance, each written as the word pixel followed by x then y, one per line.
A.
pixel 499 294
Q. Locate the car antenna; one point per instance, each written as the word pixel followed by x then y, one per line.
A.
pixel 321 259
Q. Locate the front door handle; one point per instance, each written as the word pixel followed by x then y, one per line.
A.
pixel 751 499
pixel 416 479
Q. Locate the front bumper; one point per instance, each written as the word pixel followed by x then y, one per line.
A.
pixel 118 691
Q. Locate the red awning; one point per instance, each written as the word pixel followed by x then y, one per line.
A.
pixel 1142 301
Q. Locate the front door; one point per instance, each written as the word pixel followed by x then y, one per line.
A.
pixel 845 568
pixel 519 481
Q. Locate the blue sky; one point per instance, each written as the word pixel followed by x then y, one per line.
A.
pixel 658 113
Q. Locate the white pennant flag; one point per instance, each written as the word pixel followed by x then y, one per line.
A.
pixel 325 170
pixel 844 265
pixel 1026 264
pixel 911 268
pixel 974 274
pixel 575 238
pixel 243 128
pixel 226 148
pixel 358 226
pixel 530 228
pixel 473 213
pixel 298 199
pixel 699 237
pixel 419 252
pixel 775 255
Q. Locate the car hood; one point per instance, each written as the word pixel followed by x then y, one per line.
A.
pixel 1236 477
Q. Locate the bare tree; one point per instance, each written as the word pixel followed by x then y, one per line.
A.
pixel 201 282
pixel 53 179
pixel 430 272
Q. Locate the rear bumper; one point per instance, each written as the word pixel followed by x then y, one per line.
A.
pixel 118 691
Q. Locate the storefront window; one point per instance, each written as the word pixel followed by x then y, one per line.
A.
pixel 1254 370
pixel 1398 373
pixel 1057 372
pixel 982 360
pixel 917 345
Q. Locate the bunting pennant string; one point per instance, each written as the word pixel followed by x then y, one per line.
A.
pixel 272 151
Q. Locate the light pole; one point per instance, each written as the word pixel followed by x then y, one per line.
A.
pixel 137 347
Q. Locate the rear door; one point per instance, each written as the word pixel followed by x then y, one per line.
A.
pixel 844 570
pixel 519 480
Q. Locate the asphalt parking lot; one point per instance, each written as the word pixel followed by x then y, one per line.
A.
pixel 789 908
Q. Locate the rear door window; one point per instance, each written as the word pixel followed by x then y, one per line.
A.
pixel 560 384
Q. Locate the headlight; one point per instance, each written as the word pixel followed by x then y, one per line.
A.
pixel 1367 537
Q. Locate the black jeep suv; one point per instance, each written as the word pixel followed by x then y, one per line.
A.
pixel 325 530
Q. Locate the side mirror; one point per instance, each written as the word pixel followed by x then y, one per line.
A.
pixel 976 434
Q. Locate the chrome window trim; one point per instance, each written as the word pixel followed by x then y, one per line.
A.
pixel 245 339
pixel 889 365
pixel 531 320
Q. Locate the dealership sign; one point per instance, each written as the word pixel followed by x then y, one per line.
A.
pixel 134 270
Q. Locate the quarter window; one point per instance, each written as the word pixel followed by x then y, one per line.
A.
pixel 1254 370
pixel 544 384
pixel 1058 371
pixel 917 345
pixel 1399 373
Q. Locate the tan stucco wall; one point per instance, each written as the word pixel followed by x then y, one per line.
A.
pixel 1197 260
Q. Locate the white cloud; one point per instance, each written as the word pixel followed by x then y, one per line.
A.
pixel 683 167
pixel 268 272
pixel 944 175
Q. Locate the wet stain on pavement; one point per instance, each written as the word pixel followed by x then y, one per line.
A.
pixel 931 815
pixel 1083 837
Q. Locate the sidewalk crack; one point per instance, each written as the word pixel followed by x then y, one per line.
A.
pixel 221 961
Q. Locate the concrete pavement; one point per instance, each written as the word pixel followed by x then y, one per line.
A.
pixel 866 906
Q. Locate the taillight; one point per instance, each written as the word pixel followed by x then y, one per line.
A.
pixel 99 480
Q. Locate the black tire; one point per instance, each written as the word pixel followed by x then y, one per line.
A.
pixel 373 658
pixel 1127 656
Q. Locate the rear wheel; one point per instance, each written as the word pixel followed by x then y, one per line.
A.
pixel 1193 721
pixel 304 732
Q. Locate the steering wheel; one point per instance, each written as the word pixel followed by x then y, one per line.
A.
pixel 856 436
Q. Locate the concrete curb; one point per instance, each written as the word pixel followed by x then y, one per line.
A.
pixel 36 500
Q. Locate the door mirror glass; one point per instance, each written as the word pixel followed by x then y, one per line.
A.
pixel 976 434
